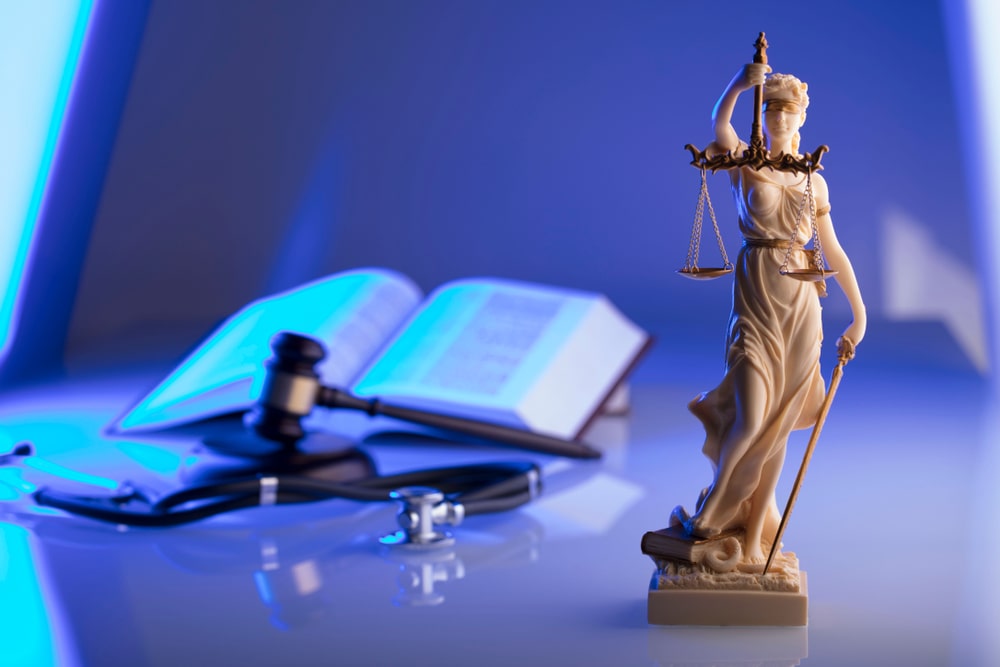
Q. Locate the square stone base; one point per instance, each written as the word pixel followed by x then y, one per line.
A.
pixel 679 606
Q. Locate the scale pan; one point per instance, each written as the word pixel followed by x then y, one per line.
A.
pixel 703 273
pixel 811 275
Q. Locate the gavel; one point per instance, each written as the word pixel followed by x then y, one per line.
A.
pixel 292 388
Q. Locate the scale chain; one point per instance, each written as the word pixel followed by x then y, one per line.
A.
pixel 818 259
pixel 715 226
pixel 807 202
pixel 694 244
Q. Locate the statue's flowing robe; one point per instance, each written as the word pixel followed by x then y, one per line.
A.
pixel 775 331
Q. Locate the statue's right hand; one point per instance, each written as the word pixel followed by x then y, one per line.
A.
pixel 750 75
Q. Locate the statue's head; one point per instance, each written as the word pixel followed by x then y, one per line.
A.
pixel 785 102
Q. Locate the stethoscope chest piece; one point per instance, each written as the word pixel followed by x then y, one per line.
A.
pixel 421 511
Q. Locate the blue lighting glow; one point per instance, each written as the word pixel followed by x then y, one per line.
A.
pixel 976 639
pixel 25 630
pixel 153 458
pixel 40 46
pixel 13 485
pixel 263 588
pixel 982 18
pixel 57 470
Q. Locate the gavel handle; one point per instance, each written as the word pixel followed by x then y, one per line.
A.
pixel 330 397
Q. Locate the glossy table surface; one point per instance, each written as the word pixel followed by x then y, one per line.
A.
pixel 896 526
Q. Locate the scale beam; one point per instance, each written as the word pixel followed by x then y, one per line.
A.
pixel 757 160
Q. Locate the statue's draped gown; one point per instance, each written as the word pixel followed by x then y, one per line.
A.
pixel 775 331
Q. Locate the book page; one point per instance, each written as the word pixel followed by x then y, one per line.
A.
pixel 585 372
pixel 368 317
pixel 352 313
pixel 477 348
pixel 471 342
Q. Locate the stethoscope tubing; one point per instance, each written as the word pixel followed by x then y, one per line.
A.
pixel 480 488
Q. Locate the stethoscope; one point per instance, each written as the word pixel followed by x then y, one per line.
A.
pixel 429 498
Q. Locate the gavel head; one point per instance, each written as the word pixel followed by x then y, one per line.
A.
pixel 290 388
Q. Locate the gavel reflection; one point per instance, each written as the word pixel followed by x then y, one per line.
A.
pixel 292 388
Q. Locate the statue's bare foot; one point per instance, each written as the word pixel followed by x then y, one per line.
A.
pixel 754 555
pixel 751 567
pixel 697 526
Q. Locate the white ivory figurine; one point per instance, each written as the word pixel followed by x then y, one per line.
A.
pixel 772 384
pixel 714 566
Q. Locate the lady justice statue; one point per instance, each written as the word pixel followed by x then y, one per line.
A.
pixel 772 384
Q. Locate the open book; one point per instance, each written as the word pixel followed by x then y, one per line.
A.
pixel 536 357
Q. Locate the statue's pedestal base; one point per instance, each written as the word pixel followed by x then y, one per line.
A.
pixel 704 581
pixel 679 605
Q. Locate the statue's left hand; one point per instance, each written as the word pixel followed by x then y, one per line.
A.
pixel 854 333
pixel 846 348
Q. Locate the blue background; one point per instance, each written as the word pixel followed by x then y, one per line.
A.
pixel 266 144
